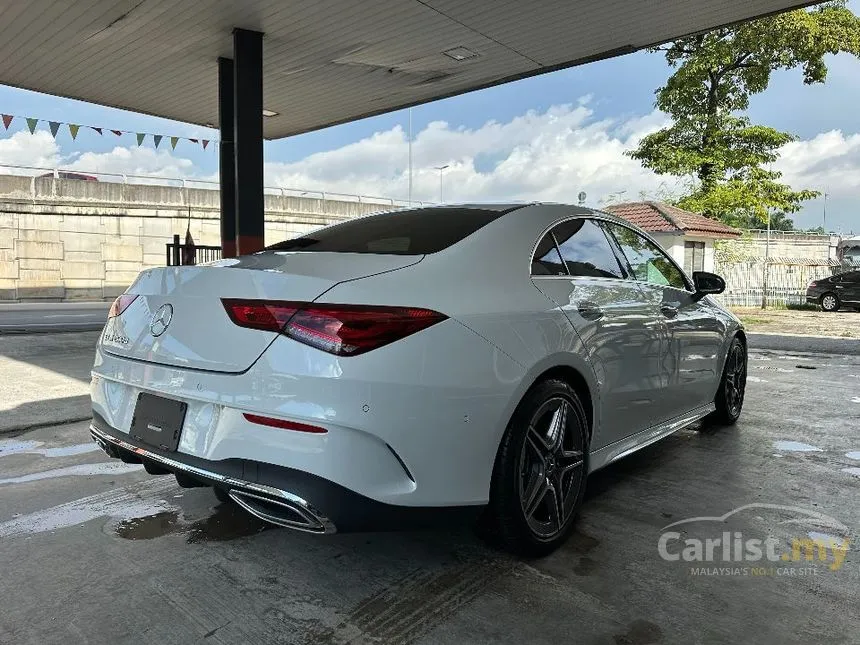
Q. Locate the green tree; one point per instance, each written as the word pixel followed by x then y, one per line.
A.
pixel 710 140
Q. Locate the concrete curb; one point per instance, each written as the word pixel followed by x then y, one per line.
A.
pixel 798 343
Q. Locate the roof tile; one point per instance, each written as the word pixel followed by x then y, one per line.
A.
pixel 657 217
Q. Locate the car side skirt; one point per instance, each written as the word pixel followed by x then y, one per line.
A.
pixel 614 451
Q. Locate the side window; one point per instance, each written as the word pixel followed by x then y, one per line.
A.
pixel 547 261
pixel 647 261
pixel 854 276
pixel 585 249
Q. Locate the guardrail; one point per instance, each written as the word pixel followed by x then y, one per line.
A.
pixel 73 174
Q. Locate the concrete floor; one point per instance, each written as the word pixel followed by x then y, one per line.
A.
pixel 93 551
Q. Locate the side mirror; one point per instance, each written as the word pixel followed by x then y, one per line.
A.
pixel 707 283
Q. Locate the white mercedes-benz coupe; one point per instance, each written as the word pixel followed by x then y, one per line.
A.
pixel 412 367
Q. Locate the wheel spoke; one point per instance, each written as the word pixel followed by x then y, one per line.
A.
pixel 555 506
pixel 557 426
pixel 535 493
pixel 536 443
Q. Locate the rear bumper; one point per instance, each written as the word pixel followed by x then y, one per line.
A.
pixel 285 496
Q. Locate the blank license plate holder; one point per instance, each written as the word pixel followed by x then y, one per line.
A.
pixel 158 421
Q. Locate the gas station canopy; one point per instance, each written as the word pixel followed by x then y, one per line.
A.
pixel 326 61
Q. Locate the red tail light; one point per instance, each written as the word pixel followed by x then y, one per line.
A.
pixel 344 330
pixel 268 315
pixel 121 304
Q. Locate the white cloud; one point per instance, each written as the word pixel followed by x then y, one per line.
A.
pixel 551 155
pixel 25 149
pixel 828 162
pixel 135 161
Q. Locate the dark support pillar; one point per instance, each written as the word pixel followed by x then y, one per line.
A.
pixel 227 154
pixel 248 132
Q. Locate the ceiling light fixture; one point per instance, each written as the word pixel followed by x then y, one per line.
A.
pixel 460 54
pixel 270 113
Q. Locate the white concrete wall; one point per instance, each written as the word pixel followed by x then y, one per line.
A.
pixel 79 240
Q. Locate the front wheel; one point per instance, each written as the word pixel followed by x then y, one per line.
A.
pixel 730 395
pixel 540 471
pixel 830 302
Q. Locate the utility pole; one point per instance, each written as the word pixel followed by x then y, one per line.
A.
pixel 410 156
pixel 441 169
pixel 766 264
pixel 824 225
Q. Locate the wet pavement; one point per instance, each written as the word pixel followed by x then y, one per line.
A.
pixel 96 551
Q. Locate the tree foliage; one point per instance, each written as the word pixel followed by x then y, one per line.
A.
pixel 710 139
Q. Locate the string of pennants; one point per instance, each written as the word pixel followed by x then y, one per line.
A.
pixel 74 128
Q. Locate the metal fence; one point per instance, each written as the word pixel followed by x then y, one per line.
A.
pixel 786 279
pixel 206 184
pixel 179 253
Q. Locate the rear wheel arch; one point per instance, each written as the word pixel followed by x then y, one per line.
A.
pixel 576 380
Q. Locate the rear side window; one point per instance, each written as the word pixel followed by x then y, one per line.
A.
pixel 585 249
pixel 547 261
pixel 412 232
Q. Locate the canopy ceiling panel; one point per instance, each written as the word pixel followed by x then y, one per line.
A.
pixel 326 61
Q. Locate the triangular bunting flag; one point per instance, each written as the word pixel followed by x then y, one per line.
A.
pixel 157 139
pixel 140 137
pixel 193 140
pixel 205 143
pixel 173 142
pixel 31 123
pixel 117 132
pixel 55 126
pixel 7 120
pixel 73 130
pixel 99 130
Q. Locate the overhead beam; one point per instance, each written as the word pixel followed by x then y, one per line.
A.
pixel 248 139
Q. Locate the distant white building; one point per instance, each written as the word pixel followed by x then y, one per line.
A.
pixel 688 237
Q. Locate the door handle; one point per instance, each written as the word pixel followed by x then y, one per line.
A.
pixel 670 311
pixel 590 311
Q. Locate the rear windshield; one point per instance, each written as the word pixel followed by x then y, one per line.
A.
pixel 412 232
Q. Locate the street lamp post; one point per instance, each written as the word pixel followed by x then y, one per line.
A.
pixel 441 170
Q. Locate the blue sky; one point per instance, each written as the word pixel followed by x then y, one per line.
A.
pixel 544 138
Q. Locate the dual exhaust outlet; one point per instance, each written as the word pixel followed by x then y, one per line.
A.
pixel 267 503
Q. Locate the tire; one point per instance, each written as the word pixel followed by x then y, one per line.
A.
pixel 730 395
pixel 222 495
pixel 830 302
pixel 539 475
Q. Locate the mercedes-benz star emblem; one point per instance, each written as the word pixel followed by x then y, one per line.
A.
pixel 161 319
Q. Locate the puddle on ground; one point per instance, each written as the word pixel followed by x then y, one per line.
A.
pixel 756 379
pixel 227 522
pixel 855 399
pixel 81 470
pixel 854 454
pixel 852 470
pixel 795 446
pixel 124 503
pixel 12 447
pixel 771 368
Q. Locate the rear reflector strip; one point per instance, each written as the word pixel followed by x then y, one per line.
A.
pixel 283 424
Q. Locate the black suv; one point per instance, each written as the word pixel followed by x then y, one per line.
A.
pixel 831 293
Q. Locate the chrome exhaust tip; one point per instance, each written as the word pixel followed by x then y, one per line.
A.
pixel 282 512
